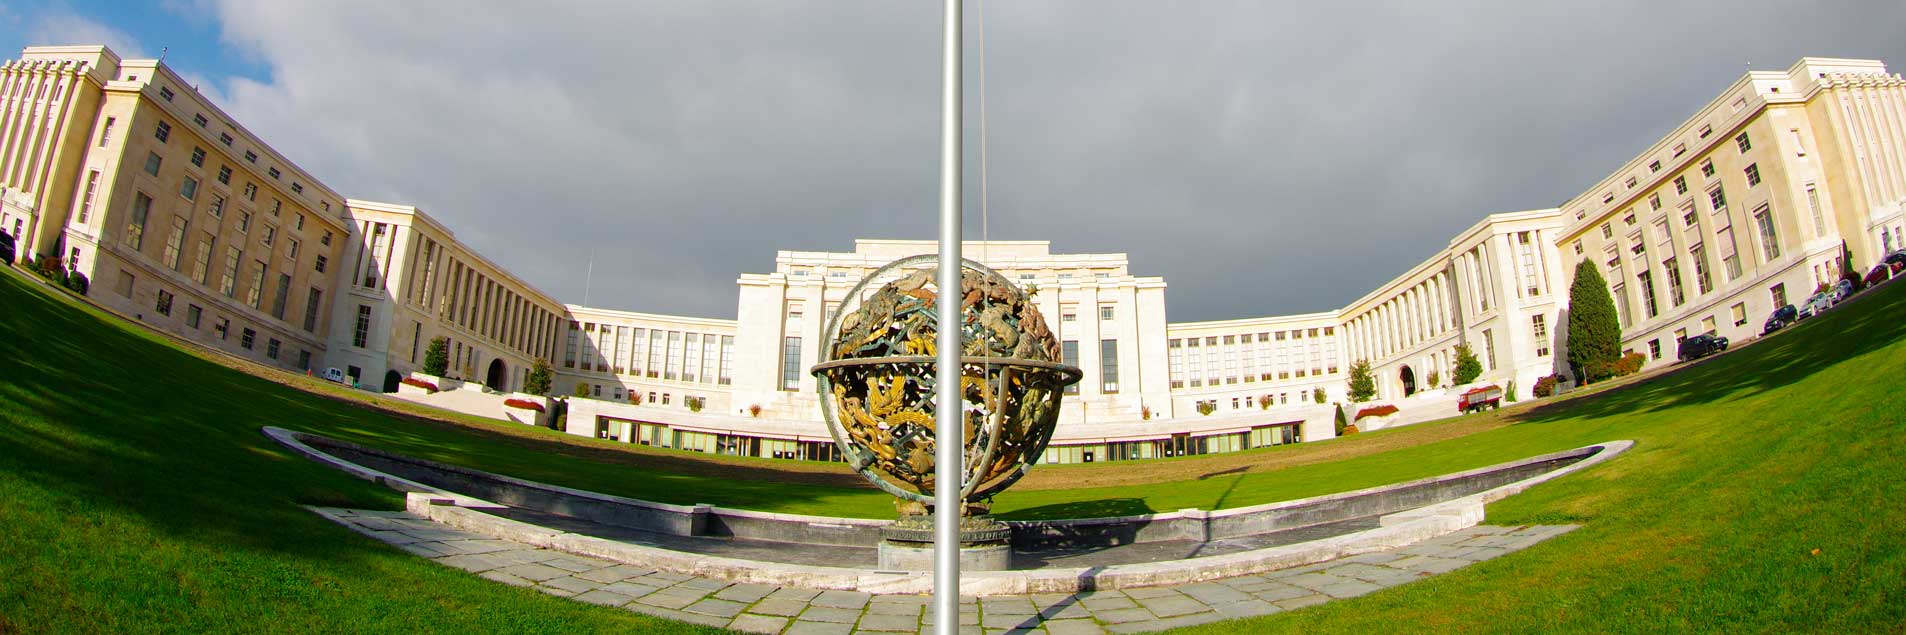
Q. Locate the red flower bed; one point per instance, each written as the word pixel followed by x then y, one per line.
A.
pixel 524 404
pixel 421 384
pixel 1376 411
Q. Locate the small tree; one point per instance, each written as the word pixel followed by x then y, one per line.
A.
pixel 539 378
pixel 1435 379
pixel 1207 407
pixel 1468 368
pixel 1340 422
pixel 1594 331
pixel 1264 402
pixel 1318 395
pixel 437 356
pixel 1510 394
pixel 1363 386
pixel 582 389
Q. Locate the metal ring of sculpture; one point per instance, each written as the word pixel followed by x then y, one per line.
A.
pixel 877 383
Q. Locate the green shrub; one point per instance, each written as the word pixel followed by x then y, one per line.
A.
pixel 1207 407
pixel 78 283
pixel 1318 395
pixel 1340 421
pixel 1545 386
pixel 1594 330
pixel 1264 402
pixel 1510 392
pixel 540 376
pixel 1435 379
pixel 1629 364
pixel 437 357
pixel 582 389
pixel 1468 368
pixel 1363 386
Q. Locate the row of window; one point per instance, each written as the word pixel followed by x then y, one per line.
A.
pixel 194 318
pixel 163 132
pixel 653 353
pixel 1247 358
pixel 460 294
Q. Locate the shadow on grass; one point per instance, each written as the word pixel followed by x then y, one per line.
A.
pixel 1101 508
pixel 1783 358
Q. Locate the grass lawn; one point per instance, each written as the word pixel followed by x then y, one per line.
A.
pixel 137 494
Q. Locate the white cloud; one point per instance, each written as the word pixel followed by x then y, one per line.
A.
pixel 67 28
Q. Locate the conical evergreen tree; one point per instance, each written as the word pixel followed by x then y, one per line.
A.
pixel 1468 367
pixel 1594 331
pixel 1362 385
pixel 437 357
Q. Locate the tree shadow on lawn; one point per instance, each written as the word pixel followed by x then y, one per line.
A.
pixel 1873 321
pixel 96 412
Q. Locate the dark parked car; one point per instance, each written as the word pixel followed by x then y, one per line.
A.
pixel 1701 346
pixel 6 248
pixel 1780 319
pixel 1881 272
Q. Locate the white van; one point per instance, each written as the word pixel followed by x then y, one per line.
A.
pixel 333 375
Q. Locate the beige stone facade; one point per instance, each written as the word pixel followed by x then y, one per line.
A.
pixel 189 223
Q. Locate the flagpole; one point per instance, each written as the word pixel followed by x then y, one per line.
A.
pixel 948 472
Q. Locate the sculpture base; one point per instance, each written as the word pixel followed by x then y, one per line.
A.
pixel 985 544
pixel 918 556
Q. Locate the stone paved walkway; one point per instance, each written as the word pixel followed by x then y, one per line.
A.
pixel 761 608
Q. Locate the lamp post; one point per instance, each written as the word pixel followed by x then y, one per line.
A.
pixel 949 447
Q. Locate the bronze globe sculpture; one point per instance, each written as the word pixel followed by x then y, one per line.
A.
pixel 877 391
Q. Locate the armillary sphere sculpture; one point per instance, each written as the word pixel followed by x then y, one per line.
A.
pixel 877 387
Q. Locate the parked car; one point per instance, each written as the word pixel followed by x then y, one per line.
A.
pixel 1779 319
pixel 1815 305
pixel 1881 272
pixel 6 248
pixel 1896 259
pixel 1701 346
pixel 1841 291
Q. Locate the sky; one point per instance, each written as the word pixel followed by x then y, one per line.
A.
pixel 1264 158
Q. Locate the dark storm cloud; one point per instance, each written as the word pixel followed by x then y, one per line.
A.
pixel 1265 159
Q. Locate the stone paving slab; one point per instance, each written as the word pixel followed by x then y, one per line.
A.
pixel 763 608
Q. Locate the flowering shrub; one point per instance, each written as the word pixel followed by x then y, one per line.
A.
pixel 524 404
pixel 1546 386
pixel 421 384
pixel 1629 364
pixel 1376 411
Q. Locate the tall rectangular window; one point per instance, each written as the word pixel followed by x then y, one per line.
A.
pixel 136 226
pixel 86 201
pixel 1819 218
pixel 279 297
pixel 1489 348
pixel 727 359
pixel 1108 365
pixel 311 303
pixel 674 367
pixel 1717 198
pixel 1621 303
pixel 711 358
pixel 1753 174
pixel 791 363
pixel 1177 348
pixel 106 131
pixel 1769 239
pixel 256 290
pixel 202 263
pixel 1646 280
pixel 228 283
pixel 153 162
pixel 1779 294
pixel 569 346
pixel 1744 144
pixel 361 335
pixel 1069 355
pixel 174 243
pixel 1539 326
pixel 162 132
pixel 1703 283
pixel 658 352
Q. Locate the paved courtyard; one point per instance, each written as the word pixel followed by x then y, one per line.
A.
pixel 761 608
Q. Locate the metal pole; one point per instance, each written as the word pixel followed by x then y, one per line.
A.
pixel 948 411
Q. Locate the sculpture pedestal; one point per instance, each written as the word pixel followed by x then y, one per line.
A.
pixel 985 545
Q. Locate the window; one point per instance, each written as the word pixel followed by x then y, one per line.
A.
pixel 225 174
pixel 228 283
pixel 106 132
pixel 198 156
pixel 202 263
pixel 1646 280
pixel 1779 294
pixel 1702 282
pixel 297 222
pixel 189 188
pixel 251 191
pixel 164 303
pixel 1068 316
pixel 1739 312
pixel 255 292
pixel 192 314
pixel 326 240
pixel 1654 349
pixel 136 225
pixel 1680 185
pixel 318 264
pixel 1069 355
pixel 1744 144
pixel 1753 174
pixel 217 210
pixel 1707 324
pixel 291 249
pixel 1105 313
pixel 1673 269
pixel 174 243
pixel 1769 239
pixel 223 328
pixel 162 132
pixel 244 222
pixel 152 163
pixel 1819 219
pixel 1707 169
pixel 791 363
pixel 225 139
pixel 361 334
pixel 86 201
pixel 251 156
pixel 1630 183
pixel 1539 325
pixel 1578 248
pixel 1654 201
pixel 1654 166
pixel 1717 198
pixel 1688 218
pixel 271 233
pixel 200 120
pixel 165 93
pixel 1108 365
pixel 1680 149
pixel 297 188
pixel 1489 348
pixel 271 348
pixel 1608 231
pixel 311 303
pixel 273 172
pixel 279 297
pixel 245 341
